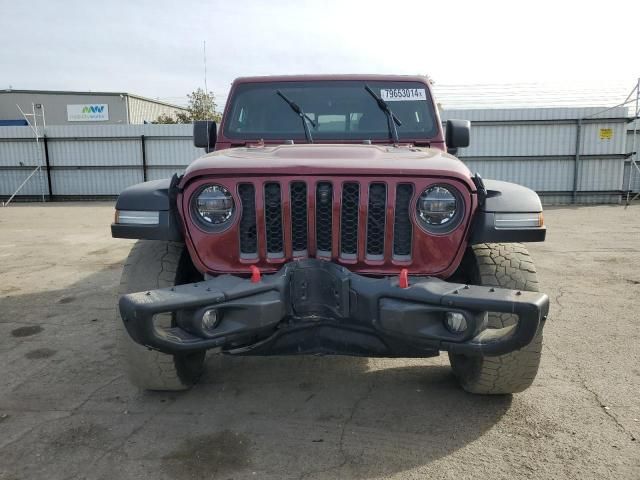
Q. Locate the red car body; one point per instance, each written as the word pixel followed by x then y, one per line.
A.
pixel 419 161
pixel 306 243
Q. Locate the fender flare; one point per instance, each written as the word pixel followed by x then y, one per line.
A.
pixel 499 199
pixel 154 196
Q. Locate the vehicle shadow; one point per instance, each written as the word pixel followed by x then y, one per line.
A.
pixel 250 417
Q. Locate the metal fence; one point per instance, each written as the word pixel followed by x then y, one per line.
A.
pixel 92 161
pixel 565 154
pixel 568 155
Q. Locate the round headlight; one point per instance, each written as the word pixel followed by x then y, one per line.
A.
pixel 214 205
pixel 438 208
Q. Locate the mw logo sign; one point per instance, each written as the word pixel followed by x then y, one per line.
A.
pixel 93 109
pixel 88 112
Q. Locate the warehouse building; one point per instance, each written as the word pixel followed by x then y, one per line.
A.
pixel 78 108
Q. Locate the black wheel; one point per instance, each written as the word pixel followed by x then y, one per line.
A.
pixel 506 265
pixel 151 265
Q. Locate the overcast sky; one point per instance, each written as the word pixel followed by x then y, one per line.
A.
pixel 155 48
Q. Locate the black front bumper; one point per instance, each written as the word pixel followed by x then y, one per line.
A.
pixel 313 306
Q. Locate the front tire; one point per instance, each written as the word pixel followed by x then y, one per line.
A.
pixel 505 265
pixel 151 265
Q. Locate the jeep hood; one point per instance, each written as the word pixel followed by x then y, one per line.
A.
pixel 333 160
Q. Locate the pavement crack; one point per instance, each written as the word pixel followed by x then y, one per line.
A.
pixel 69 413
pixel 120 446
pixel 347 422
pixel 579 380
pixel 343 430
pixel 93 392
pixel 553 353
pixel 36 426
pixel 607 411
pixel 559 295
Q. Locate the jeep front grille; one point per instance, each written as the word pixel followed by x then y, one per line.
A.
pixel 350 221
pixel 299 218
pixel 273 219
pixel 376 220
pixel 248 233
pixel 402 227
pixel 323 211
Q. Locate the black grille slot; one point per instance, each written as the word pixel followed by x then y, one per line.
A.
pixel 349 220
pixel 376 215
pixel 248 232
pixel 299 217
pixel 291 201
pixel 273 219
pixel 324 209
pixel 402 229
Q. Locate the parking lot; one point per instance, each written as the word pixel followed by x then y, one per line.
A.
pixel 67 411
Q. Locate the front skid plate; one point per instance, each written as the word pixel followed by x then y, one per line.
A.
pixel 314 306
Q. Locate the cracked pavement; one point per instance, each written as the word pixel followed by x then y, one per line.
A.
pixel 68 412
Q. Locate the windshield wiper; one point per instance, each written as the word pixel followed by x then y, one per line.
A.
pixel 303 116
pixel 392 120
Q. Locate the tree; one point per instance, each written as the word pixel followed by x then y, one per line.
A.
pixel 202 106
pixel 166 119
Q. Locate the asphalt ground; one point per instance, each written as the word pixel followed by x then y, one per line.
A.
pixel 67 411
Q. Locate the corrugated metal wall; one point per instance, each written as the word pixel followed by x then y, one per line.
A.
pixel 533 147
pixel 19 155
pixel 141 110
pixel 88 160
pixel 629 169
pixel 537 147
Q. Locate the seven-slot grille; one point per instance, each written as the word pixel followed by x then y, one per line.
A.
pixel 356 212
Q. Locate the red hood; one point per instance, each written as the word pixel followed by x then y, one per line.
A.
pixel 329 159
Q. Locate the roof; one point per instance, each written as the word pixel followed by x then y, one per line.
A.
pixel 361 77
pixel 73 92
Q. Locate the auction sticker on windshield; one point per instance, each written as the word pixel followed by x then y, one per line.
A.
pixel 402 94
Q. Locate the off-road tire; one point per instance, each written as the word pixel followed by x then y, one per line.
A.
pixel 150 265
pixel 506 265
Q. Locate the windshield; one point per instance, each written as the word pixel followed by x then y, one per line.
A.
pixel 341 110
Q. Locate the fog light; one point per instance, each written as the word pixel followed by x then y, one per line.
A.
pixel 210 319
pixel 455 322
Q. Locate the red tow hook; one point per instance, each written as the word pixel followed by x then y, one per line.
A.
pixel 404 278
pixel 256 276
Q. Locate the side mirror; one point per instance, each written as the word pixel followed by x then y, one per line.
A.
pixel 205 133
pixel 457 134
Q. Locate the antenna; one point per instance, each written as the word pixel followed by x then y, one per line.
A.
pixel 206 90
pixel 204 52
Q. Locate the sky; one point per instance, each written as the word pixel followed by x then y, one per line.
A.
pixel 487 52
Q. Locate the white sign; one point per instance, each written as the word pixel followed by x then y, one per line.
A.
pixel 402 94
pixel 89 112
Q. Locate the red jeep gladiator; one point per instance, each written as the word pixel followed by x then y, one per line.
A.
pixel 329 216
